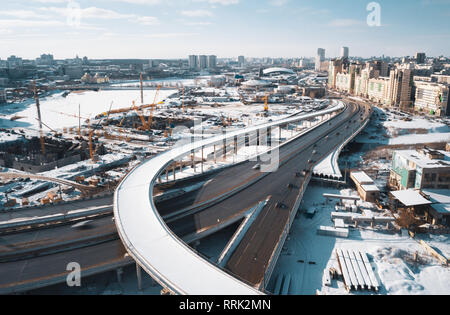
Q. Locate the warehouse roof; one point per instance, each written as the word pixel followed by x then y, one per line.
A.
pixel 410 198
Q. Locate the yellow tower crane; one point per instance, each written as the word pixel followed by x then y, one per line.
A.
pixel 38 107
pixel 266 103
pixel 152 110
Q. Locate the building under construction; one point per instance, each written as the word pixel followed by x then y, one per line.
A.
pixel 27 155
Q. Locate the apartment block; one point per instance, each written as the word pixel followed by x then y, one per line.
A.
pixel 420 169
pixel 379 90
pixel 432 98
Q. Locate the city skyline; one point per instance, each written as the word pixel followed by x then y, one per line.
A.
pixel 154 29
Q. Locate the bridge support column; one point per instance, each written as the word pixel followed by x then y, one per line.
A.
pixel 139 276
pixel 215 158
pixel 174 173
pixel 224 146
pixel 119 272
pixel 203 155
pixel 196 244
pixel 167 175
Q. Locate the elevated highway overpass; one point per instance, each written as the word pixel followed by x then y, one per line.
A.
pixel 157 245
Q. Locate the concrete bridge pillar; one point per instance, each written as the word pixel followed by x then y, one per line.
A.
pixel 224 145
pixel 119 272
pixel 203 156
pixel 139 276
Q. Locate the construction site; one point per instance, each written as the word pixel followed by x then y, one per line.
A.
pixel 98 146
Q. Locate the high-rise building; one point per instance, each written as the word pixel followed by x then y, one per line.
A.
pixel 212 62
pixel 320 57
pixel 401 88
pixel 420 58
pixel 335 67
pixel 381 67
pixel 362 82
pixel 241 61
pixel 45 60
pixel 379 90
pixel 14 62
pixel 432 98
pixel 203 62
pixel 193 62
pixel 345 52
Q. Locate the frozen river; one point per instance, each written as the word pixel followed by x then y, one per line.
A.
pixel 59 112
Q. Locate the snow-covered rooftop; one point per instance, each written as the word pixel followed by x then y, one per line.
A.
pixel 257 83
pixel 370 188
pixel 424 161
pixel 276 70
pixel 410 198
pixel 362 178
pixel 438 195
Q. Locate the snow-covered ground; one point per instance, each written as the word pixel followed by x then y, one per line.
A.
pixel 307 255
pixel 393 128
pixel 59 112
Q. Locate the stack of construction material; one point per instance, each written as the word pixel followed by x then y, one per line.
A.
pixel 356 270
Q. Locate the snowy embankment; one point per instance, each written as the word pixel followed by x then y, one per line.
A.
pixel 306 255
pixel 396 129
pixel 329 165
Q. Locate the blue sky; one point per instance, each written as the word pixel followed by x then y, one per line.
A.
pixel 227 28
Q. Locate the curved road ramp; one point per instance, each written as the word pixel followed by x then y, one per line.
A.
pixel 158 242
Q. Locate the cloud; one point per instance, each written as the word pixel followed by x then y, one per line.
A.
pixel 278 3
pixel 148 2
pixel 169 35
pixel 197 23
pixel 345 22
pixel 29 23
pixel 222 2
pixel 197 13
pixel 23 14
pixel 90 13
pixel 147 20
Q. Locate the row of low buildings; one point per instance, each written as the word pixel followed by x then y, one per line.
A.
pixel 396 87
pixel 419 182
pixel 96 79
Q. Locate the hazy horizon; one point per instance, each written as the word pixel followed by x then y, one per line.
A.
pixel 174 29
